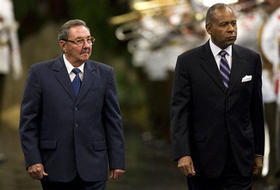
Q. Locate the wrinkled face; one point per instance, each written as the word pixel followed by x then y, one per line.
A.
pixel 77 54
pixel 222 27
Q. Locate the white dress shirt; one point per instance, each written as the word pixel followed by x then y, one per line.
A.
pixel 70 67
pixel 216 50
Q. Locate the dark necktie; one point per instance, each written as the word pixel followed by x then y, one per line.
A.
pixel 224 68
pixel 76 83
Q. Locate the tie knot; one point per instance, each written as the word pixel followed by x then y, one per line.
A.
pixel 223 53
pixel 76 71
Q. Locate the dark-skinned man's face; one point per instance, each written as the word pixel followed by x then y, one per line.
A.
pixel 222 27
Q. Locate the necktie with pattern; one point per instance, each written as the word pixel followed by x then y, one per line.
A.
pixel 224 68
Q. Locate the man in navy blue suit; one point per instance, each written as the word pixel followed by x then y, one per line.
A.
pixel 70 122
pixel 217 120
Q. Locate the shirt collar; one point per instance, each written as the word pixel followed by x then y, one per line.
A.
pixel 216 50
pixel 70 67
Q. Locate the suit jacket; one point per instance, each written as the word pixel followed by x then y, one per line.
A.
pixel 70 134
pixel 207 118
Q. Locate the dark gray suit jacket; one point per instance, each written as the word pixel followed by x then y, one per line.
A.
pixel 207 118
pixel 70 134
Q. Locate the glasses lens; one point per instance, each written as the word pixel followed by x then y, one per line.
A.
pixel 89 41
pixel 80 42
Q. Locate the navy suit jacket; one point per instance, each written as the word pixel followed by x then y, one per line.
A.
pixel 70 134
pixel 207 118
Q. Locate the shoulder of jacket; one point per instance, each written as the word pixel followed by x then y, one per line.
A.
pixel 192 52
pixel 244 50
pixel 100 66
pixel 43 64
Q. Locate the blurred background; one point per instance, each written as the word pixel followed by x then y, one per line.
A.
pixel 141 39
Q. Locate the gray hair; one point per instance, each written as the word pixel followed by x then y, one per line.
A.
pixel 63 32
pixel 211 10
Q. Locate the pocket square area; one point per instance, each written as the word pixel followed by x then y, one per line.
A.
pixel 246 78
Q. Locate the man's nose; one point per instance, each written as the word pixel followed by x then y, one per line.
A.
pixel 231 28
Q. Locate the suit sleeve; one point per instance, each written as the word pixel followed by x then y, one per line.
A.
pixel 180 111
pixel 29 119
pixel 257 110
pixel 113 125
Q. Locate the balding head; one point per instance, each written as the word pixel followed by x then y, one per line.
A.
pixel 210 15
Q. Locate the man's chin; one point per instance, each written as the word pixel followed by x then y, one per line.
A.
pixel 231 41
pixel 85 57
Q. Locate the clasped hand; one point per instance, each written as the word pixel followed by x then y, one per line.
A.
pixel 185 164
pixel 36 171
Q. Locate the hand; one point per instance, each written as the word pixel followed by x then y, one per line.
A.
pixel 36 171
pixel 258 165
pixel 115 174
pixel 185 164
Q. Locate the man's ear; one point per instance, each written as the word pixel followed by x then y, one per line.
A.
pixel 208 28
pixel 62 45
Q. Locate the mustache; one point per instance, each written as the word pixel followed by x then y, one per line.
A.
pixel 86 50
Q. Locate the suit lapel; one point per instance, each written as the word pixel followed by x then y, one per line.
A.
pixel 62 76
pixel 88 80
pixel 236 69
pixel 210 66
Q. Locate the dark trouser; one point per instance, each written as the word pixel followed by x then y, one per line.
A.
pixel 76 184
pixel 270 113
pixel 231 179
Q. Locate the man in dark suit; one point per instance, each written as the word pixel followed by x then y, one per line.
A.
pixel 216 110
pixel 70 120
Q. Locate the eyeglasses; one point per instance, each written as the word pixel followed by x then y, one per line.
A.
pixel 81 41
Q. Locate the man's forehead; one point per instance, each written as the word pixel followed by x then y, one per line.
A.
pixel 224 14
pixel 80 30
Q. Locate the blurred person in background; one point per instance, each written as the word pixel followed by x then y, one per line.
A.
pixel 217 124
pixel 250 16
pixel 70 118
pixel 9 46
pixel 9 50
pixel 269 47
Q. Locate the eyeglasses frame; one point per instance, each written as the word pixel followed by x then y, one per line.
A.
pixel 84 41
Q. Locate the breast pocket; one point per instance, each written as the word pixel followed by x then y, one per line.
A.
pixel 247 87
pixel 96 93
pixel 246 83
pixel 97 89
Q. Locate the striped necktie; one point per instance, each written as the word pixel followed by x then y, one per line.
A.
pixel 76 83
pixel 224 68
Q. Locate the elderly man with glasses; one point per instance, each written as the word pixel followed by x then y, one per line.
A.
pixel 70 121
